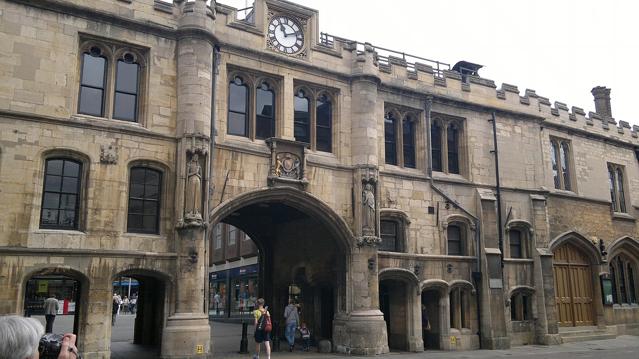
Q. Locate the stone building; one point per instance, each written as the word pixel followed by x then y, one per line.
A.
pixel 411 204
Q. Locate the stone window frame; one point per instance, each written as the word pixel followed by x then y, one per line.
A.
pixel 444 122
pixel 253 80
pixel 467 230
pixel 402 222
pixel 521 310
pixel 623 274
pixel 460 306
pixel 526 239
pixel 618 194
pixel 113 51
pixel 85 163
pixel 165 200
pixel 565 179
pixel 402 114
pixel 313 92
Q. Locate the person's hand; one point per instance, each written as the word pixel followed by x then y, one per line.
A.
pixel 68 350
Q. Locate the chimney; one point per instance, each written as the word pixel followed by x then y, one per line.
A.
pixel 602 101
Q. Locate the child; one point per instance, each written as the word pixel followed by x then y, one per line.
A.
pixel 306 336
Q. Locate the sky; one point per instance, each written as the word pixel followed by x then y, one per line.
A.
pixel 561 48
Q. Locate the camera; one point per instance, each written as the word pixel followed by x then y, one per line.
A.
pixel 50 345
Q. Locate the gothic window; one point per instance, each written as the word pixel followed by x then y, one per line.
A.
pixel 445 137
pixel 145 187
pixel 125 103
pixel 390 139
pixel 302 118
pixel 408 135
pixel 622 276
pixel 61 194
pixel 264 112
pixel 561 166
pixel 521 306
pixel 93 82
pixel 459 308
pixel 111 81
pixel 617 192
pixel 389 234
pixel 455 239
pixel 515 243
pixel 238 107
pixel 324 126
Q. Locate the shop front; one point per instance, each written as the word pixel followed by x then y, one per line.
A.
pixel 233 292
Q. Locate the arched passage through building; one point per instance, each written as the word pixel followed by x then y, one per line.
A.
pixel 303 247
pixel 141 314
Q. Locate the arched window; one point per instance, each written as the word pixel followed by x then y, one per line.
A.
pixel 324 119
pixel 238 108
pixel 554 152
pixel 564 155
pixel 521 306
pixel 408 134
pixel 302 119
pixel 125 102
pixel 622 276
pixel 61 194
pixel 93 82
pixel 459 308
pixel 436 146
pixel 264 112
pixel 145 188
pixel 617 192
pixel 452 136
pixel 390 236
pixel 560 159
pixel 455 240
pixel 390 139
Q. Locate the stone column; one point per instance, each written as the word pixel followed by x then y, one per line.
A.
pixel 494 334
pixel 187 332
pixel 361 330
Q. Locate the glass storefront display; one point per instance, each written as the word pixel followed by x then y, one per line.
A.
pixel 38 289
pixel 233 292
pixel 218 295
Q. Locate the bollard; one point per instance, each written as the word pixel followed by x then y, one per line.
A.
pixel 244 340
pixel 276 337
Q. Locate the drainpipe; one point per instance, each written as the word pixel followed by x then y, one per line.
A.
pixel 498 192
pixel 209 188
pixel 428 104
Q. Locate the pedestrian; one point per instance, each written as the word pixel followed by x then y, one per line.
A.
pixel 262 335
pixel 292 321
pixel 125 304
pixel 306 337
pixel 115 309
pixel 133 303
pixel 20 337
pixel 51 307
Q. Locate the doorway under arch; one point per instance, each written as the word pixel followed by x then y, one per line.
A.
pixel 573 286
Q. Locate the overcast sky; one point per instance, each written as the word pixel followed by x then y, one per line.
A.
pixel 561 48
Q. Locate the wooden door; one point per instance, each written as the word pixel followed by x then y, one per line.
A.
pixel 573 286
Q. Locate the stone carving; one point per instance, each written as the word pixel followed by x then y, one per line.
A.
pixel 371 241
pixel 368 210
pixel 288 166
pixel 193 202
pixel 108 154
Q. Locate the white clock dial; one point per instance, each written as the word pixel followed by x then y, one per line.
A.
pixel 285 35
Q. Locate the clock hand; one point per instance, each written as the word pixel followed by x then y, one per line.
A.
pixel 283 29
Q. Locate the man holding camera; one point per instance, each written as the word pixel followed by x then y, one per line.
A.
pixel 51 307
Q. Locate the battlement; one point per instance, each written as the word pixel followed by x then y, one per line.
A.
pixel 401 69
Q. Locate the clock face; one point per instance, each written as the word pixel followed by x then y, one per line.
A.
pixel 285 34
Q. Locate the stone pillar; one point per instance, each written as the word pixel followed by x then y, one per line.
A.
pixel 414 309
pixel 546 330
pixel 361 330
pixel 494 334
pixel 187 332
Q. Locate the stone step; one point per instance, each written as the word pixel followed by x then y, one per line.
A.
pixel 587 337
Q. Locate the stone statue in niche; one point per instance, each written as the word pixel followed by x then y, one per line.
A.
pixel 368 210
pixel 193 201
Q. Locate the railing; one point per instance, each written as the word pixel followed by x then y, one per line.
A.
pixel 383 55
pixel 246 14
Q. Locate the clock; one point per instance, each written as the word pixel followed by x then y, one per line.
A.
pixel 285 34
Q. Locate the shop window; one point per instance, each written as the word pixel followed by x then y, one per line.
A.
pixel 561 163
pixel 622 275
pixel 61 194
pixel 520 306
pixel 218 297
pixel 459 308
pixel 145 188
pixel 617 190
pixel 111 80
pixel 244 295
pixel 445 136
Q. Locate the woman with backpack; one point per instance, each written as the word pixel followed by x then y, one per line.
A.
pixel 263 329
